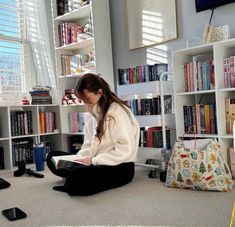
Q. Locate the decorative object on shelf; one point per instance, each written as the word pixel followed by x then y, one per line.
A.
pixel 162 16
pixel 214 34
pixel 221 33
pixel 25 101
pixel 70 98
pixel 199 169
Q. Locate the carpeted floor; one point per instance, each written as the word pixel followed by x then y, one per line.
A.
pixel 144 202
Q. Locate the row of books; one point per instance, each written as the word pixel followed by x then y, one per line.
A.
pixel 152 137
pixel 74 64
pixel 198 75
pixel 65 6
pixel 76 121
pixel 231 160
pixel 47 122
pixel 200 119
pixel 21 123
pixel 141 73
pixel 229 74
pixel 22 151
pixel 69 33
pixel 150 106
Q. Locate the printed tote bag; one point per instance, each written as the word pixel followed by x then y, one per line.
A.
pixel 199 169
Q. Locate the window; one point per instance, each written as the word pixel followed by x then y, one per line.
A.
pixel 13 52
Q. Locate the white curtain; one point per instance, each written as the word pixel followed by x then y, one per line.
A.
pixel 38 34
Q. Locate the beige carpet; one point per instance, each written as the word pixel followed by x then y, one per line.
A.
pixel 144 202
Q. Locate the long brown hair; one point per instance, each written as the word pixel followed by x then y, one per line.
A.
pixel 93 83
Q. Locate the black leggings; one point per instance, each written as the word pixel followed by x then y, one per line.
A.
pixel 88 180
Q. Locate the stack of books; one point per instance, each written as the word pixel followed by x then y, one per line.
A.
pixel 40 95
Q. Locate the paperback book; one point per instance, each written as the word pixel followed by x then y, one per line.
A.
pixel 64 161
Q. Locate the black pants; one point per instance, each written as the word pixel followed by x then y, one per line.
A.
pixel 88 180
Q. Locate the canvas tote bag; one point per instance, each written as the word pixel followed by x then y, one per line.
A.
pixel 199 169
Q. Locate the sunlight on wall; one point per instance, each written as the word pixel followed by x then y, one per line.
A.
pixel 152 32
pixel 151 27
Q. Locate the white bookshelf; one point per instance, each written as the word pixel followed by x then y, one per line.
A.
pixel 98 12
pixel 7 139
pixel 218 51
pixel 149 90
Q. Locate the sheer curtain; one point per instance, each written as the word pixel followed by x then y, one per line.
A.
pixel 39 36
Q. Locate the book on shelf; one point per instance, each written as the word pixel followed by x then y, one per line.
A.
pixel 22 150
pixel 76 121
pixel 200 118
pixel 150 106
pixel 229 75
pixel 21 123
pixel 231 160
pixel 77 63
pixel 198 74
pixel 68 33
pixel 67 160
pixel 153 137
pixel 47 122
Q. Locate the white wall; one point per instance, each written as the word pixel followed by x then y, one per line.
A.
pixel 190 24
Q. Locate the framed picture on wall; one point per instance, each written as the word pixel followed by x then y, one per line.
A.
pixel 150 22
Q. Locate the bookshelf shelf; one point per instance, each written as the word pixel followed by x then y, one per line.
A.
pixel 75 133
pixel 80 13
pixel 220 87
pixel 76 46
pixel 3 139
pixel 145 88
pixel 155 120
pixel 24 136
pixel 76 75
pixel 195 92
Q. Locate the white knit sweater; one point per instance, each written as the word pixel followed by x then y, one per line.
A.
pixel 120 141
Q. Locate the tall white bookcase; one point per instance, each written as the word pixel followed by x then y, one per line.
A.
pixel 217 95
pixel 147 90
pixel 98 11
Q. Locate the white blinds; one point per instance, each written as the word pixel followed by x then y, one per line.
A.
pixel 12 51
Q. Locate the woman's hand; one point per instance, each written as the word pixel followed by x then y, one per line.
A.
pixel 86 160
